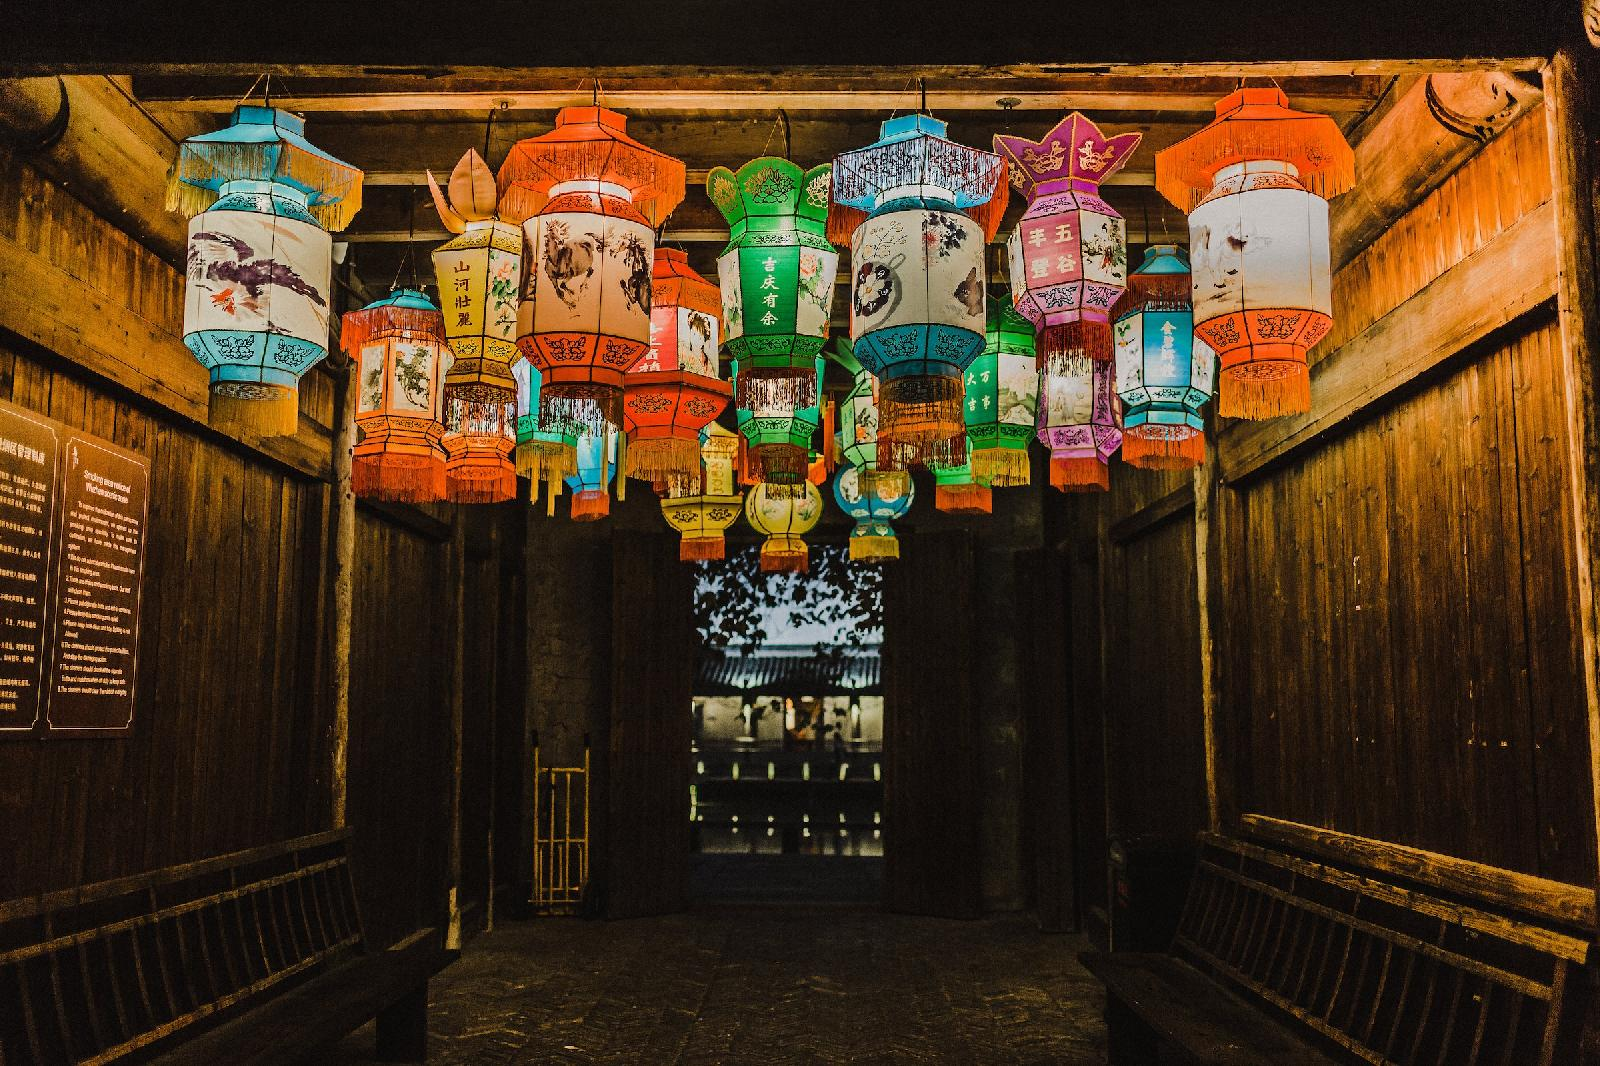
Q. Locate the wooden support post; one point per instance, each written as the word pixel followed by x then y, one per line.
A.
pixel 1207 486
pixel 344 551
pixel 1570 102
pixel 458 670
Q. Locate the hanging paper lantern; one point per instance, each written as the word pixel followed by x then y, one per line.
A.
pixel 597 464
pixel 593 194
pixel 702 518
pixel 399 350
pixel 1080 421
pixel 874 503
pixel 858 426
pixel 1256 184
pixel 547 450
pixel 778 438
pixel 1164 373
pixel 957 491
pixel 478 271
pixel 478 441
pixel 776 276
pixel 783 519
pixel 1002 398
pixel 916 310
pixel 1069 253
pixel 255 309
pixel 674 391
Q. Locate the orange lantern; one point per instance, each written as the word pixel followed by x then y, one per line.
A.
pixel 591 196
pixel 1255 183
pixel 672 393
pixel 478 443
pixel 398 345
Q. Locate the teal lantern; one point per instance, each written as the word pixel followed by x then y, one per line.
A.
pixel 546 448
pixel 917 285
pixel 777 436
pixel 874 503
pixel 776 277
pixel 1002 398
pixel 597 465
pixel 261 200
pixel 1165 373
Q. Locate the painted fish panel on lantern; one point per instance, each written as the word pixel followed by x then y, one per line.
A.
pixel 1261 248
pixel 257 274
pixel 590 274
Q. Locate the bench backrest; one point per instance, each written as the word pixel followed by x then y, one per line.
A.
pixel 1390 974
pixel 93 974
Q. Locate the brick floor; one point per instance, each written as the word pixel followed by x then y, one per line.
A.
pixel 763 986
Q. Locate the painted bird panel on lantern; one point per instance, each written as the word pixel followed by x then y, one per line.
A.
pixel 1250 251
pixel 372 377
pixel 410 390
pixel 265 274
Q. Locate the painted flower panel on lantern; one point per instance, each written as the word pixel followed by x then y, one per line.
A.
pixel 917 296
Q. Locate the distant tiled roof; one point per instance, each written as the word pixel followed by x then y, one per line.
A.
pixel 787 670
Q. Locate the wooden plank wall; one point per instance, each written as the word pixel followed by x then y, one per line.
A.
pixel 1390 579
pixel 232 737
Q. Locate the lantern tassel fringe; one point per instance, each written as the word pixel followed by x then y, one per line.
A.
pixel 1079 474
pixel 874 549
pixel 970 498
pixel 663 459
pixel 589 409
pixel 1313 143
pixel 398 478
pixel 1002 468
pixel 358 327
pixel 787 388
pixel 481 484
pixel 778 465
pixel 590 505
pixel 546 460
pixel 921 422
pixel 702 549
pixel 785 561
pixel 1258 397
pixel 1165 450
pixel 270 413
pixel 334 181
pixel 1059 346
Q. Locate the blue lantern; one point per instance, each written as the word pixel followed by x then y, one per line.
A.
pixel 874 502
pixel 1164 372
pixel 597 465
pixel 261 199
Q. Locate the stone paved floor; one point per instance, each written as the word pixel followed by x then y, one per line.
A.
pixel 768 986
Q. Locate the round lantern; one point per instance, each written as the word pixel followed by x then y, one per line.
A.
pixel 703 517
pixel 916 305
pixel 1002 398
pixel 1080 422
pixel 478 441
pixel 778 437
pixel 783 519
pixel 594 195
pixel 1255 183
pixel 957 491
pixel 591 485
pixel 776 277
pixel 1069 253
pixel 674 391
pixel 398 346
pixel 546 450
pixel 478 271
pixel 1164 374
pixel 874 503
pixel 259 267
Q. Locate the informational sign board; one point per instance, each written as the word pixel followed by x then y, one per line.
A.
pixel 73 509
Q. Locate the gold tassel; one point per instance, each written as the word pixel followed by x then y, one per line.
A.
pixel 265 410
pixel 920 422
pixel 546 459
pixel 1247 393
pixel 781 388
pixel 1002 468
pixel 785 555
pixel 874 549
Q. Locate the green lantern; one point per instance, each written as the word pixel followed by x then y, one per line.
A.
pixel 778 437
pixel 776 277
pixel 1002 398
pixel 858 426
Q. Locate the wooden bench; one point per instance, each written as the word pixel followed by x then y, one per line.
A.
pixel 251 958
pixel 1283 959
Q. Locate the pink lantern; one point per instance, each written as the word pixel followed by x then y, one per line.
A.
pixel 1069 253
pixel 1080 421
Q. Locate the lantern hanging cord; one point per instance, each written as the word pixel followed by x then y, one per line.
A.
pixel 248 93
pixel 783 118
pixel 909 83
pixel 922 88
pixel 411 239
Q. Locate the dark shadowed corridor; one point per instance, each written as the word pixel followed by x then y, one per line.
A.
pixel 763 985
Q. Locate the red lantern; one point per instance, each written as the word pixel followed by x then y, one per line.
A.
pixel 594 195
pixel 674 391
